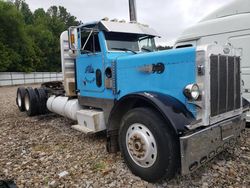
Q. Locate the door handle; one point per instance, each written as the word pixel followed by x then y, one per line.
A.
pixel 98 75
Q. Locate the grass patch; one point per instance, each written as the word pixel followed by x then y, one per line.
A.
pixel 99 166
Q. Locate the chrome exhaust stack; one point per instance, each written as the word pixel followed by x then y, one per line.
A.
pixel 132 11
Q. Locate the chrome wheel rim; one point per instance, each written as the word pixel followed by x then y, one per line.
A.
pixel 27 102
pixel 19 99
pixel 141 145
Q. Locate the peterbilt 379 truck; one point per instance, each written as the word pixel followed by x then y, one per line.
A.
pixel 166 111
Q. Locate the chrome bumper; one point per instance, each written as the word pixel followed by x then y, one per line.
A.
pixel 201 146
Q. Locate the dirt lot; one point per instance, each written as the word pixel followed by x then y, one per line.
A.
pixel 44 151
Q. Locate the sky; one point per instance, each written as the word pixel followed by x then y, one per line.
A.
pixel 168 17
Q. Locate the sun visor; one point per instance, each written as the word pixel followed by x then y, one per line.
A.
pixel 123 27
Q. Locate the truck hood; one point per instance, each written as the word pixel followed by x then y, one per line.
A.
pixel 134 73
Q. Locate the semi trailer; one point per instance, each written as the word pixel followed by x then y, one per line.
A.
pixel 229 24
pixel 168 112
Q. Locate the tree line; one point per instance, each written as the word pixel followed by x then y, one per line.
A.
pixel 29 41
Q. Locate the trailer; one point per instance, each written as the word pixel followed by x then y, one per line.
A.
pixel 168 112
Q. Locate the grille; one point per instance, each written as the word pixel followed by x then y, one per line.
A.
pixel 224 84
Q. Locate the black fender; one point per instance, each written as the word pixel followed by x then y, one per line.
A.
pixel 171 109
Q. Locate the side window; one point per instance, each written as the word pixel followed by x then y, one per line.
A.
pixel 90 42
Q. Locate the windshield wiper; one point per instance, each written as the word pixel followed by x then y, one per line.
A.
pixel 124 49
pixel 147 49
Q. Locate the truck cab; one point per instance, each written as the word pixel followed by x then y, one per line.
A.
pixel 113 59
pixel 98 49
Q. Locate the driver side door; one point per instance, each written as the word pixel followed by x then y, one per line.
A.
pixel 89 65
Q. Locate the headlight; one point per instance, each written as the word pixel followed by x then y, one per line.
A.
pixel 192 91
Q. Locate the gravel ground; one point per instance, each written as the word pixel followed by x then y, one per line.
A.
pixel 44 151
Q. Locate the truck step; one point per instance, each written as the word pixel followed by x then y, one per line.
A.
pixel 90 121
pixel 83 129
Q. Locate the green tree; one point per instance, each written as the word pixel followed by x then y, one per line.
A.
pixel 14 40
pixel 42 37
pixel 59 20
pixel 23 7
pixel 30 41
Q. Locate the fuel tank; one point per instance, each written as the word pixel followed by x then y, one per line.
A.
pixel 64 106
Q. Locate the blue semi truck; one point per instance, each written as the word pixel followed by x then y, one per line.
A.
pixel 167 111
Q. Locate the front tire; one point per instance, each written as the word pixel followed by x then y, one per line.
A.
pixel 148 145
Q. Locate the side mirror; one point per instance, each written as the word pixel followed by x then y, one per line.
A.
pixel 73 44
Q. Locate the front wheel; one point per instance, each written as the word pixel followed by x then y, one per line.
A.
pixel 149 147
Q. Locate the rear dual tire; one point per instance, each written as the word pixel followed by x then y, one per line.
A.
pixel 41 99
pixel 20 98
pixel 31 102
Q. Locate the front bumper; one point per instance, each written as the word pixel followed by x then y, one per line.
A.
pixel 201 146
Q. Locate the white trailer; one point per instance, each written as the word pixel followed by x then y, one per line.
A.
pixel 227 25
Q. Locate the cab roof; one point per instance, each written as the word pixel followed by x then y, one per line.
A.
pixel 121 27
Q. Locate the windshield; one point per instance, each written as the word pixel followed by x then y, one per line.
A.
pixel 129 42
pixel 147 44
